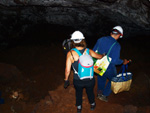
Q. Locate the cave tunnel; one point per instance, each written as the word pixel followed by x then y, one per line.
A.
pixel 32 59
pixel 35 58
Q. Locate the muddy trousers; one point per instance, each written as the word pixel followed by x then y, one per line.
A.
pixel 89 86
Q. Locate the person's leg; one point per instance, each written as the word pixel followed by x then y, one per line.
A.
pixel 101 81
pixel 90 93
pixel 107 90
pixel 79 92
pixel 111 73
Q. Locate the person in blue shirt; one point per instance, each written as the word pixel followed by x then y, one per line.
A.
pixel 103 45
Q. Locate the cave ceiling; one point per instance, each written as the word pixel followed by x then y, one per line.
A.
pixel 90 16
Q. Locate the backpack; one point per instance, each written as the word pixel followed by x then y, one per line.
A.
pixel 66 44
pixel 85 65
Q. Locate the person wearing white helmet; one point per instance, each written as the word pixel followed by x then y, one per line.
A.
pixel 78 42
pixel 102 45
pixel 77 37
pixel 118 30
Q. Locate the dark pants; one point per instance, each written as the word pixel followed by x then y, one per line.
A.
pixel 104 86
pixel 89 86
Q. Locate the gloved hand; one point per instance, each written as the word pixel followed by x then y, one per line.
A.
pixel 66 84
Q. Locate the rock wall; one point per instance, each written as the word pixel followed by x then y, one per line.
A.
pixel 90 16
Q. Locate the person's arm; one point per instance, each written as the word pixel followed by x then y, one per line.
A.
pixel 95 55
pixel 68 66
pixel 67 70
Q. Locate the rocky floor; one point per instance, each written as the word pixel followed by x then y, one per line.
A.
pixel 31 81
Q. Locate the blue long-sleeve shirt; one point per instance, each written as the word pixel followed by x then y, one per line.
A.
pixel 103 45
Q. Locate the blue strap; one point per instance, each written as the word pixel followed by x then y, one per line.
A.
pixel 124 69
pixel 79 53
pixel 110 50
pixel 76 50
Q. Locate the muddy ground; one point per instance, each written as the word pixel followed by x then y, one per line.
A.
pixel 36 73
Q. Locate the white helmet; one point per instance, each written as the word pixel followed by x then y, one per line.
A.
pixel 77 37
pixel 118 30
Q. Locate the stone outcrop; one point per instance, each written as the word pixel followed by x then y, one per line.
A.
pixel 90 16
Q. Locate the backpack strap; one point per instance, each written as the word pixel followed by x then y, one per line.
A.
pixel 77 51
pixel 72 55
pixel 110 50
pixel 87 51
